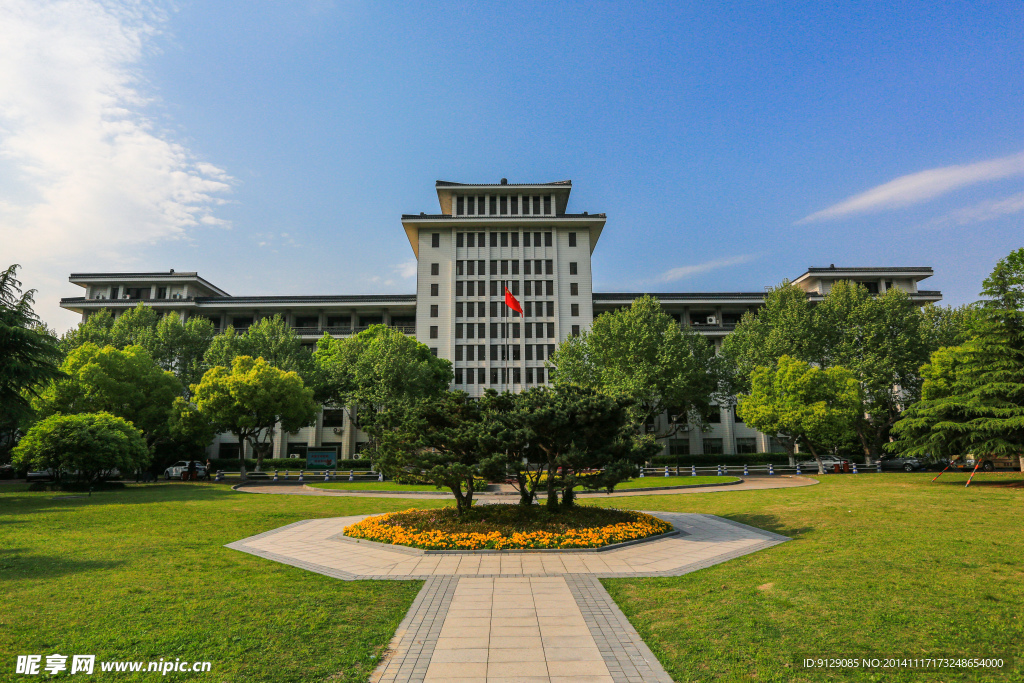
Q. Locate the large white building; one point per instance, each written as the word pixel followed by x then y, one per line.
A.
pixel 486 237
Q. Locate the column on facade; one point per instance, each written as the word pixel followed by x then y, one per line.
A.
pixel 353 319
pixel 729 431
pixel 280 443
pixel 314 439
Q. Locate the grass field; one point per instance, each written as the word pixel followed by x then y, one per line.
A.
pixel 881 565
pixel 890 565
pixel 654 482
pixel 140 574
pixel 376 486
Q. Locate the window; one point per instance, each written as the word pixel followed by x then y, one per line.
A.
pixel 515 287
pixel 528 287
pixel 536 205
pixel 460 267
pixel 547 205
pixel 736 417
pixel 480 264
pixel 471 267
pixel 494 375
pixel 549 287
pixel 528 310
pixel 433 310
pixel 494 306
pixel 572 239
pixel 481 352
pixel 458 239
pixel 529 330
pixel 527 267
pixel 575 330
pixel 536 239
pixel 504 205
pixel 471 207
pixel 575 309
pixel 549 267
pixel 540 375
pixel 458 351
pixel 480 239
pixel 458 309
pixel 494 239
pixel 480 309
pixel 494 330
pixel 471 239
pixel 460 206
pixel 536 267
pixel 433 289
pixel 469 375
pixel 515 205
pixel 551 309
pixel 504 239
pixel 492 202
pixel 716 415
pixel 494 288
pixel 480 287
pixel 547 239
pixel 433 350
pixel 551 330
pixel 161 292
pixel 529 352
pixel 435 268
pixel 494 352
pixel 529 375
pixel 458 330
pixel 334 417
pixel 470 328
pixel 888 285
pixel 494 267
pixel 433 331
pixel 458 375
pixel 746 445
pixel 574 288
pixel 526 239
pixel 435 240
pixel 713 447
pixel 516 374
pixel 471 288
pixel 551 350
pixel 679 446
pixel 480 329
pixel 573 270
pixel 515 335
pixel 515 267
pixel 504 267
pixel 515 239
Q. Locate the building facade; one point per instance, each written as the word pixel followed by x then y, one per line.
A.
pixel 485 239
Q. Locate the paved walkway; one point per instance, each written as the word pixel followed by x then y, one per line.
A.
pixel 524 616
pixel 746 484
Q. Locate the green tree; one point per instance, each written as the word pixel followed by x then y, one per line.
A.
pixel 271 339
pixel 641 353
pixel 29 355
pixel 879 339
pixel 377 370
pixel 126 383
pixel 815 407
pixel 251 400
pixel 974 394
pixel 947 325
pixel 585 437
pixel 440 440
pixel 88 445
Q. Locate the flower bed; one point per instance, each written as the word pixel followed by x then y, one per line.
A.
pixel 508 527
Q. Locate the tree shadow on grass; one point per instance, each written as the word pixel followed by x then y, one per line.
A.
pixel 15 566
pixel 49 501
pixel 770 523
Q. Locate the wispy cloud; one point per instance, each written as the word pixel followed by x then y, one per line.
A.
pixel 922 186
pixel 988 210
pixel 683 272
pixel 407 269
pixel 84 170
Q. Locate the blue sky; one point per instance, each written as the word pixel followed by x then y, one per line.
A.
pixel 273 146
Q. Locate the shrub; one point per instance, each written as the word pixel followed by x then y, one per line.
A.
pixel 87 446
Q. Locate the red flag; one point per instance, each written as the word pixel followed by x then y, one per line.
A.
pixel 511 302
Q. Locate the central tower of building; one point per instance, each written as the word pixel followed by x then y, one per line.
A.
pixel 489 237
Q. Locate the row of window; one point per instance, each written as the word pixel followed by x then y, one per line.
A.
pixel 503 352
pixel 505 205
pixel 530 288
pixel 511 267
pixel 478 309
pixel 504 330
pixel 712 446
pixel 499 375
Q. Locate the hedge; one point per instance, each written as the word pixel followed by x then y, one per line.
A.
pixel 739 459
pixel 271 464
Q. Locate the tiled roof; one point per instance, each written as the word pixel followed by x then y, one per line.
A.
pixel 900 269
pixel 327 299
pixel 448 216
pixel 165 273
pixel 629 296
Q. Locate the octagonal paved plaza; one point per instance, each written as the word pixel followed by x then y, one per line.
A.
pixel 524 616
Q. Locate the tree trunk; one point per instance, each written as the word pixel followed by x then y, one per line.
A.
pixel 568 498
pixel 468 500
pixel 810 447
pixel 552 491
pixel 241 456
pixel 525 495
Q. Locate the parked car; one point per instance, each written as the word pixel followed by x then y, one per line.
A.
pixel 179 470
pixel 989 462
pixel 829 461
pixel 896 462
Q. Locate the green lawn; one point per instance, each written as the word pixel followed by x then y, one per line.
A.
pixel 140 574
pixel 889 565
pixel 892 565
pixel 376 486
pixel 654 482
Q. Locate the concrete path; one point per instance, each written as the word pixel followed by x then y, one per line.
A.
pixel 746 484
pixel 526 616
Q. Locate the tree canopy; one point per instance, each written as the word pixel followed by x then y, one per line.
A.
pixel 641 353
pixel 87 446
pixel 973 397
pixel 250 399
pixel 271 339
pixel 812 406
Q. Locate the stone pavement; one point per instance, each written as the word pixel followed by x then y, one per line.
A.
pixel 526 616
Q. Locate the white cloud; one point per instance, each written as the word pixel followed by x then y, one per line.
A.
pixel 988 210
pixel 407 269
pixel 922 186
pixel 84 172
pixel 699 268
